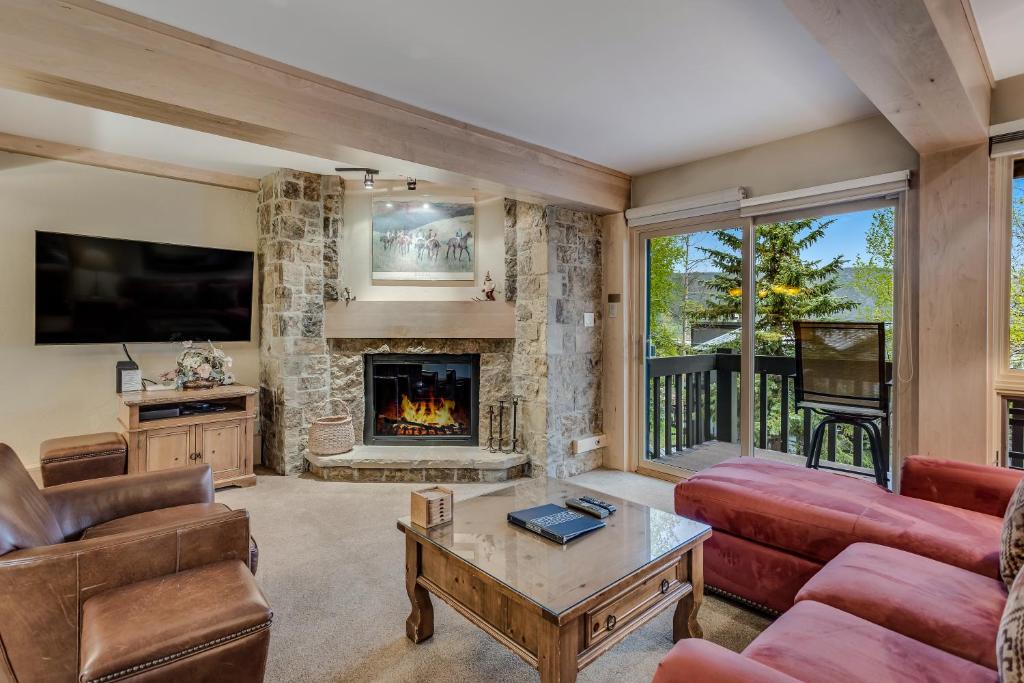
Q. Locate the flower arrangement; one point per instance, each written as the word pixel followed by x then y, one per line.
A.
pixel 200 367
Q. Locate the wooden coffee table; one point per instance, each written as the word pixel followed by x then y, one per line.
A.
pixel 558 607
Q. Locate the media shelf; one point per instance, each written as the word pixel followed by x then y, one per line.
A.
pixel 168 429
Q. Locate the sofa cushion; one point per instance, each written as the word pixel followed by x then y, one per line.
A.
pixel 815 642
pixel 181 514
pixel 817 514
pixel 1011 546
pixel 1010 640
pixel 26 520
pixel 915 596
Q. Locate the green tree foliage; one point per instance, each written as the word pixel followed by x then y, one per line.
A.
pixel 666 332
pixel 872 276
pixel 1017 276
pixel 789 287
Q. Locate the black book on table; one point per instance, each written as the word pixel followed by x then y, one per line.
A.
pixel 555 522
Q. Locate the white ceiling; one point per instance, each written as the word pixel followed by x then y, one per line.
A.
pixel 636 86
pixel 1001 24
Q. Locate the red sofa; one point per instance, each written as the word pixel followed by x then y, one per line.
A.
pixel 776 525
pixel 921 600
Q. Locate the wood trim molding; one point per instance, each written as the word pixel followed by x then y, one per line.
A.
pixel 419 319
pixel 85 52
pixel 916 60
pixel 120 162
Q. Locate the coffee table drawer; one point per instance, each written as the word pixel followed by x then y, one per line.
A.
pixel 617 613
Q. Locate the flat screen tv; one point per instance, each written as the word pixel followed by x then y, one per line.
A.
pixel 93 290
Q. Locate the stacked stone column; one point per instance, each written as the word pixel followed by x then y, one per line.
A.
pixel 297 250
pixel 556 366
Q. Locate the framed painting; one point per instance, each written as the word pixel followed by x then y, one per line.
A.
pixel 423 240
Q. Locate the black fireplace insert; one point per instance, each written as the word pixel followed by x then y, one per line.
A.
pixel 422 398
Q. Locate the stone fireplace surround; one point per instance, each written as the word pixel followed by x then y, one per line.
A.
pixel 553 277
pixel 432 463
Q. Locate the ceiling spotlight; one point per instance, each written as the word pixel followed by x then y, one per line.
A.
pixel 390 205
pixel 367 177
pixel 410 183
pixel 426 206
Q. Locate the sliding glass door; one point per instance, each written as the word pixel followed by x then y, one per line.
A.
pixel 701 361
pixel 692 343
pixel 834 267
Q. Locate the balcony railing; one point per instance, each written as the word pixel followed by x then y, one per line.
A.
pixel 694 400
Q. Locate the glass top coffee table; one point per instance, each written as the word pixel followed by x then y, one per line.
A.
pixel 558 607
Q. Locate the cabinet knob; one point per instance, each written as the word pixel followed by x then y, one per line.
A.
pixel 664 586
pixel 609 623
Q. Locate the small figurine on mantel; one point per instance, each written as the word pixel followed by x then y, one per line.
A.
pixel 488 289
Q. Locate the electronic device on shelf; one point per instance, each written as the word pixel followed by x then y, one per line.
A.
pixel 159 412
pixel 589 508
pixel 194 407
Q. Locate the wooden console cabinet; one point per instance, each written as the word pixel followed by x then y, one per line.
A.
pixel 223 440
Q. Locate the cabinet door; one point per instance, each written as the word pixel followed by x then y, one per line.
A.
pixel 220 444
pixel 168 448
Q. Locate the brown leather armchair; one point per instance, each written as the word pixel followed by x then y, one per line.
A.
pixel 73 556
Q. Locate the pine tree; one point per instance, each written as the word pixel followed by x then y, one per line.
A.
pixel 788 287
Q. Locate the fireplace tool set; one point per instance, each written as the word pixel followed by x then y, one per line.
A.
pixel 496 439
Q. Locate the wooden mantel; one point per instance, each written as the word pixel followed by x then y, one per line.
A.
pixel 420 319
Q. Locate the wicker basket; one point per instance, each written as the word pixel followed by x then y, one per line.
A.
pixel 332 435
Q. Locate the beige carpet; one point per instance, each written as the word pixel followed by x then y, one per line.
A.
pixel 331 564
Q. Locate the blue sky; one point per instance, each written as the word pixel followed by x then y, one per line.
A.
pixel 845 236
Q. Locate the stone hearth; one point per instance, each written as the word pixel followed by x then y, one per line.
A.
pixel 419 463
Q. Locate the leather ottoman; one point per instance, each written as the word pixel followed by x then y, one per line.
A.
pixel 152 631
pixel 88 456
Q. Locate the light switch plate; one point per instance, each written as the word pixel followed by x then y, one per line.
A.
pixel 588 320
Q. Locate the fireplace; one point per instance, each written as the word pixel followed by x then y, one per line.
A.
pixel 422 398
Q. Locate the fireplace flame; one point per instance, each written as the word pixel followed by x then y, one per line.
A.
pixel 434 411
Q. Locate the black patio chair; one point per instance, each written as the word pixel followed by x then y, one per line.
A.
pixel 841 375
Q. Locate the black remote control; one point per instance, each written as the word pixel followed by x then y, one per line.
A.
pixel 599 503
pixel 588 507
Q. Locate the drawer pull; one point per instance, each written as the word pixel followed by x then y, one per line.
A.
pixel 609 623
pixel 664 586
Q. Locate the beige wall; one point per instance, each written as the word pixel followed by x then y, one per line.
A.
pixel 355 256
pixel 1008 100
pixel 853 150
pixel 59 390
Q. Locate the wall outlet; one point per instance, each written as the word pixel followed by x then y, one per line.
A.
pixel 588 320
pixel 588 444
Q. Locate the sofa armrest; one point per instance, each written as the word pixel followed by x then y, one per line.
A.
pixel 82 504
pixel 42 589
pixel 700 661
pixel 982 488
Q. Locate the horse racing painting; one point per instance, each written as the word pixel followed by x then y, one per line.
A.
pixel 418 240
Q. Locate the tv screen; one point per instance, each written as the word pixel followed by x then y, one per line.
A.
pixel 93 290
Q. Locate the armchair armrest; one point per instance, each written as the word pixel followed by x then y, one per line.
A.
pixel 42 589
pixel 82 504
pixel 982 488
pixel 700 661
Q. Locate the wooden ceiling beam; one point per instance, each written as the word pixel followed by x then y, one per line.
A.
pixel 94 157
pixel 917 60
pixel 88 53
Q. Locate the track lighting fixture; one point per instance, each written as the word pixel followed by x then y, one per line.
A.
pixel 368 174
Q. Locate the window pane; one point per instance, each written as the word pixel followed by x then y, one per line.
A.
pixel 833 268
pixel 693 344
pixel 1017 268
